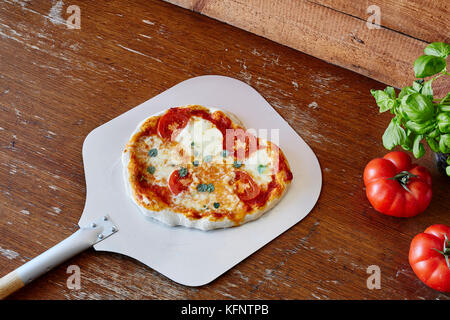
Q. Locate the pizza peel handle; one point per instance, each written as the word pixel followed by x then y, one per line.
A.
pixel 81 240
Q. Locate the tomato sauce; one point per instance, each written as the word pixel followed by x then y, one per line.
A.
pixel 146 188
pixel 283 166
pixel 261 199
pixel 163 193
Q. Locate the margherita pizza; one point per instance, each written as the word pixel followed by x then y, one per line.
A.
pixel 198 167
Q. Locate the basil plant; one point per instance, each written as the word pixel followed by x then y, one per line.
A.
pixel 419 117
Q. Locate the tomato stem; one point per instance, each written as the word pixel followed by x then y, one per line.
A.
pixel 445 251
pixel 403 178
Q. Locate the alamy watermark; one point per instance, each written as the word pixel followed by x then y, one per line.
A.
pixel 71 19
pixel 374 20
pixel 203 144
pixel 74 280
pixel 374 280
pixel 74 20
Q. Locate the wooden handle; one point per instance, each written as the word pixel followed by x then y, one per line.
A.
pixel 76 243
pixel 9 284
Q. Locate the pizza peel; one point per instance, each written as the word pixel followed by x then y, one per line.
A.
pixel 111 221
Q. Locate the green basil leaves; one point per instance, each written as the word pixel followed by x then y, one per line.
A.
pixel 385 99
pixel 417 107
pixel 426 66
pixel 418 115
pixel 418 149
pixel 182 172
pixel 153 152
pixel 443 121
pixel 203 187
pixel 438 49
pixel 394 135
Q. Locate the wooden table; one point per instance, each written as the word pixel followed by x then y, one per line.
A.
pixel 57 84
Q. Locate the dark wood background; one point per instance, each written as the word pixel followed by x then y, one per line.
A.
pixel 56 85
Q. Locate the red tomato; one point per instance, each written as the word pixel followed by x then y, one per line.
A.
pixel 429 256
pixel 174 120
pixel 246 187
pixel 177 183
pixel 396 187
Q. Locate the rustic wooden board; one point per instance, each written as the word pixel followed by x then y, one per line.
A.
pixel 56 85
pixel 336 31
pixel 427 21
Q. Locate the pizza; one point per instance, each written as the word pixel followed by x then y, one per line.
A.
pixel 199 167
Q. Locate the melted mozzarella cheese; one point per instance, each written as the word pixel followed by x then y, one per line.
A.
pixel 204 201
pixel 259 165
pixel 201 138
pixel 166 160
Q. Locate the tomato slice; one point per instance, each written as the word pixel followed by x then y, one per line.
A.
pixel 172 122
pixel 246 187
pixel 177 183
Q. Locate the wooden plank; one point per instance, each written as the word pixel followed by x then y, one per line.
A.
pixel 424 20
pixel 341 39
pixel 56 85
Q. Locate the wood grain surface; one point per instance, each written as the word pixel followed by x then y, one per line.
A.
pixel 336 30
pixel 58 84
pixel 424 20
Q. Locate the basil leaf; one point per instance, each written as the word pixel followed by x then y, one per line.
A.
pixel 417 85
pixel 418 149
pixel 446 99
pixel 435 133
pixel 444 128
pixel 406 91
pixel 443 117
pixel 390 91
pixel 434 145
pixel 153 152
pixel 426 66
pixel 237 164
pixel 438 49
pixel 417 107
pixel 444 105
pixel 394 135
pixel 420 128
pixel 261 168
pixel 182 172
pixel 427 90
pixel 408 143
pixel 444 143
pixel 151 169
pixel 210 187
pixel 383 100
pixel 202 187
pixel 443 120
